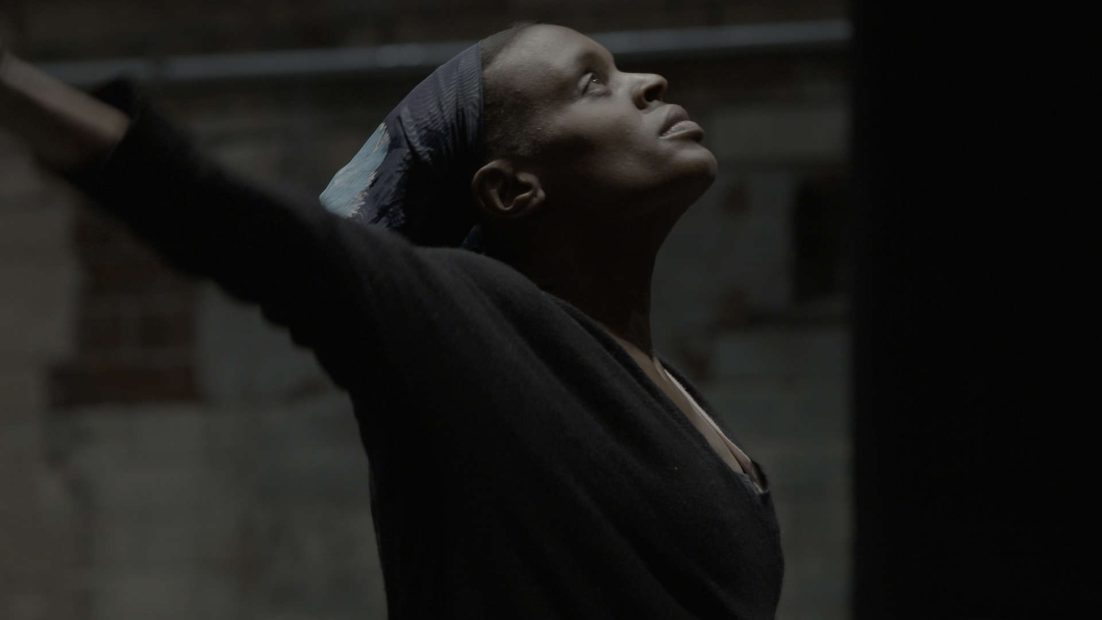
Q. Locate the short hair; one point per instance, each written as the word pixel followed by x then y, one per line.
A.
pixel 505 116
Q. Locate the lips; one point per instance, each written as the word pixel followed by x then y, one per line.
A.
pixel 677 122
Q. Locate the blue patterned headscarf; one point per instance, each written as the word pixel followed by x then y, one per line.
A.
pixel 413 175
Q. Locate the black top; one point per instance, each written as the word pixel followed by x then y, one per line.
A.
pixel 523 465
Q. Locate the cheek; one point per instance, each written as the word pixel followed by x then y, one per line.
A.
pixel 614 158
pixel 652 171
pixel 613 169
pixel 626 152
pixel 639 160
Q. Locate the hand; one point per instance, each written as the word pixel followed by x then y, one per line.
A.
pixel 64 127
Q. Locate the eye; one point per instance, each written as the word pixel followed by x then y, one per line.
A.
pixel 592 80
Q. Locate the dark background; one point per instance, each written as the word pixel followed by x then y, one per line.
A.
pixel 971 449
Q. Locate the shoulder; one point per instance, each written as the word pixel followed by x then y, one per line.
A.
pixel 497 280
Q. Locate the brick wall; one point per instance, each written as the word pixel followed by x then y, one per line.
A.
pixel 134 325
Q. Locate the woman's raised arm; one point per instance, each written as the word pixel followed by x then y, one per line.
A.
pixel 356 295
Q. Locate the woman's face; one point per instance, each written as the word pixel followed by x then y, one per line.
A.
pixel 602 137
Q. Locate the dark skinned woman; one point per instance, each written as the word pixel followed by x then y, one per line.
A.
pixel 479 282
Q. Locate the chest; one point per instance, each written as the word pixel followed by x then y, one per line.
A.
pixel 724 447
pixel 716 439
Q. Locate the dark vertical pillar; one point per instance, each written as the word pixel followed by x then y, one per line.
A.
pixel 960 509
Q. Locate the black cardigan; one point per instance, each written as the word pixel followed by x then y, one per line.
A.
pixel 522 464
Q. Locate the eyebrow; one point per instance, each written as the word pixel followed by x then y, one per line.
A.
pixel 582 60
pixel 560 73
pixel 589 55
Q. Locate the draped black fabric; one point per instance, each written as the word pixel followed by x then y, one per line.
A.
pixel 413 174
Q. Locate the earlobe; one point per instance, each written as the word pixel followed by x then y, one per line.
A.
pixel 500 191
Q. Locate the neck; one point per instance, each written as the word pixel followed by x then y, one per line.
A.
pixel 613 289
pixel 606 274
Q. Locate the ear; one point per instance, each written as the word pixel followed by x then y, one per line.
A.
pixel 502 191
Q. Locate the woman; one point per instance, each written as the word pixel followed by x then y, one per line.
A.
pixel 532 456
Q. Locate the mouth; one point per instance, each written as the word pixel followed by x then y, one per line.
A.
pixel 678 124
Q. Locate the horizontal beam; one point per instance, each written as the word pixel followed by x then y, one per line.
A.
pixel 420 58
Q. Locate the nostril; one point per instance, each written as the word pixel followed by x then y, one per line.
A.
pixel 653 88
pixel 657 88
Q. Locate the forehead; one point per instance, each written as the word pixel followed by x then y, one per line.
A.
pixel 545 58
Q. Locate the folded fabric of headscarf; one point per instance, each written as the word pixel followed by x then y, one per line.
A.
pixel 413 175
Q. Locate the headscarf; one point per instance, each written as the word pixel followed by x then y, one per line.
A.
pixel 413 175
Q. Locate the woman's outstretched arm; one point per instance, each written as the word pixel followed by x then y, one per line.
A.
pixel 361 298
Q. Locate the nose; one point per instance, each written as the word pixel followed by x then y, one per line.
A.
pixel 649 87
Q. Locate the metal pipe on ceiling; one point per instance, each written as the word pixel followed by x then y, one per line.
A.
pixel 420 58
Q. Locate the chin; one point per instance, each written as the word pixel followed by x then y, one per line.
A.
pixel 707 162
pixel 694 160
pixel 700 169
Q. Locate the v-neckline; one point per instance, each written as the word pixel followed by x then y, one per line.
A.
pixel 627 361
pixel 687 387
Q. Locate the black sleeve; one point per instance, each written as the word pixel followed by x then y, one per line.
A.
pixel 342 289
